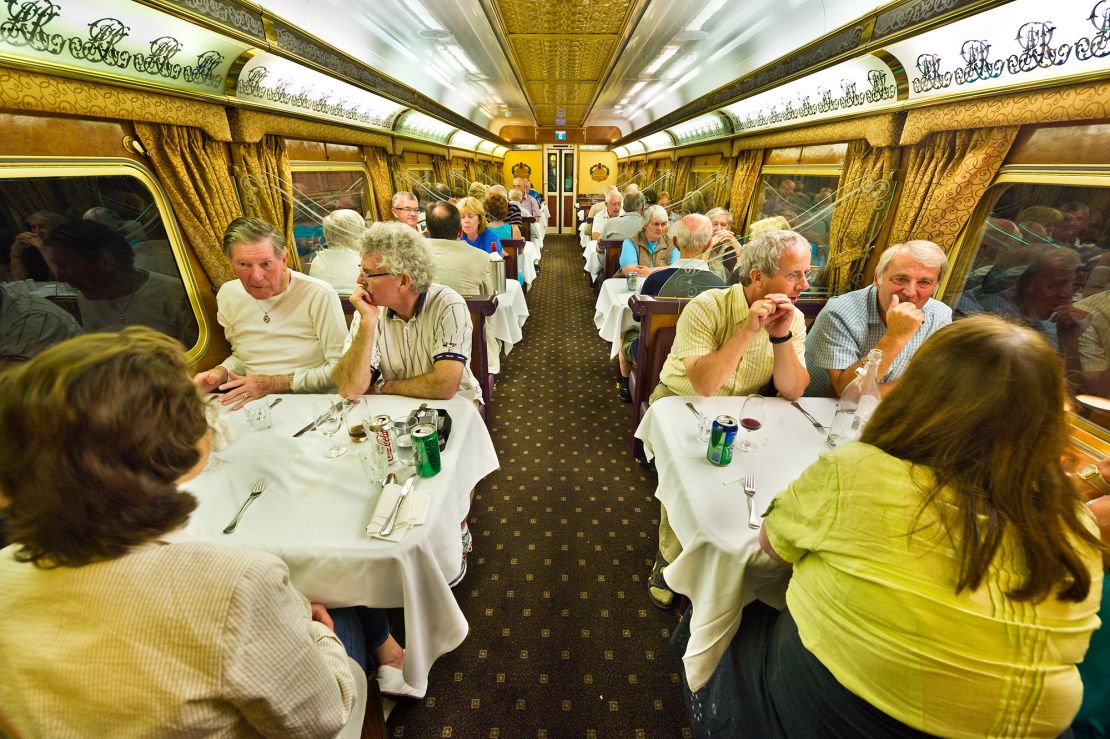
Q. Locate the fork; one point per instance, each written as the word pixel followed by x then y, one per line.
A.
pixel 749 490
pixel 256 490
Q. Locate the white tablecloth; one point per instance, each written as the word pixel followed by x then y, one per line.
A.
pixel 314 512
pixel 507 321
pixel 594 263
pixel 526 262
pixel 722 568
pixel 612 316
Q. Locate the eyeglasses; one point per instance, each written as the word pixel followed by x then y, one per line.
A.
pixel 809 275
pixel 408 210
pixel 367 276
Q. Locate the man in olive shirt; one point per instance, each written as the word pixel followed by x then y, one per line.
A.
pixel 732 342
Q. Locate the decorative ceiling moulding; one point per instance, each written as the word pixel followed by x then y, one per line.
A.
pixel 1008 47
pixel 125 43
pixel 225 16
pixel 276 82
pixel 414 124
pixel 303 46
pixel 249 126
pixel 899 19
pixel 710 126
pixel 860 85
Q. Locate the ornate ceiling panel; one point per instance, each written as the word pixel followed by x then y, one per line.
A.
pixel 562 51
pixel 561 93
pixel 580 17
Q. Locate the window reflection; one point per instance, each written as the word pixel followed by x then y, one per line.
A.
pixel 115 268
pixel 318 194
pixel 1042 258
pixel 798 202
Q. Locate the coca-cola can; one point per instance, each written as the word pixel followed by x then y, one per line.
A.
pixel 379 427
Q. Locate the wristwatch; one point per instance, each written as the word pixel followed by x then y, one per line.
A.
pixel 1089 473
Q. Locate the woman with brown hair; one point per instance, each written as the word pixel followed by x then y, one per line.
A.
pixel 497 211
pixel 114 619
pixel 946 573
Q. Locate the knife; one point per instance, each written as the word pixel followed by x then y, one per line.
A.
pixel 312 424
pixel 388 528
pixel 816 424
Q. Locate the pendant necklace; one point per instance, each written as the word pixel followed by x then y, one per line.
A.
pixel 266 313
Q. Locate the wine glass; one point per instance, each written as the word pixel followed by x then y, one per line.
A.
pixel 751 419
pixel 330 416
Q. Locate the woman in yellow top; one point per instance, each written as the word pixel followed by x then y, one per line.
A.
pixel 946 573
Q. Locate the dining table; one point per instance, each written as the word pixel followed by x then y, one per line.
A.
pixel 507 322
pixel 612 315
pixel 594 260
pixel 314 514
pixel 722 568
pixel 526 263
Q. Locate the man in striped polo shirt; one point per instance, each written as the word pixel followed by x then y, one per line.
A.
pixel 895 314
pixel 732 342
pixel 409 336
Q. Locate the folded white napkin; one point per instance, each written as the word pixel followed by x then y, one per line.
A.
pixel 414 511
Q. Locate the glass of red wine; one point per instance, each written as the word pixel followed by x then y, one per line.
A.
pixel 751 419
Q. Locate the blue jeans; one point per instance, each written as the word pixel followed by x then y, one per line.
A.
pixel 361 630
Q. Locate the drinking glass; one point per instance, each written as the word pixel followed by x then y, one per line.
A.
pixel 258 414
pixel 330 415
pixel 751 419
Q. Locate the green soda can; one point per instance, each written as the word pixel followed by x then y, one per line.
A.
pixel 425 448
pixel 721 438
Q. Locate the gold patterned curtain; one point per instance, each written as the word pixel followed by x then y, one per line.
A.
pixel 681 175
pixel 863 198
pixel 266 182
pixel 947 174
pixel 377 162
pixel 439 170
pixel 196 173
pixel 722 188
pixel 651 170
pixel 745 176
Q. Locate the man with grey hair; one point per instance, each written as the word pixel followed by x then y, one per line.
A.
pixel 627 224
pixel 732 342
pixel 896 314
pixel 410 336
pixel 687 276
pixel 285 328
pixel 405 209
pixel 611 208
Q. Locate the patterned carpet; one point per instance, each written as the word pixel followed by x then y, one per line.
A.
pixel 563 640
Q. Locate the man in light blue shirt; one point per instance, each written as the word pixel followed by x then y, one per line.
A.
pixel 647 251
pixel 895 314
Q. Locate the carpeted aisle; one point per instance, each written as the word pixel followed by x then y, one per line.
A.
pixel 563 640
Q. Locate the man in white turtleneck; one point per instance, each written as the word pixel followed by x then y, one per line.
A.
pixel 286 329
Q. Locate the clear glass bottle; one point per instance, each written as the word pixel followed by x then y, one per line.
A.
pixel 857 402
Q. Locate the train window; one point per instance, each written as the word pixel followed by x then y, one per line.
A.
pixel 93 246
pixel 801 201
pixel 319 190
pixel 1039 253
